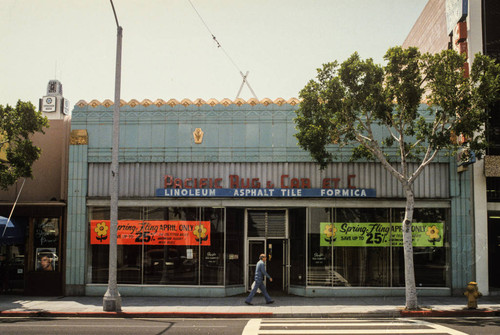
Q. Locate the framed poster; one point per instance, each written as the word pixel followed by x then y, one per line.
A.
pixel 46 259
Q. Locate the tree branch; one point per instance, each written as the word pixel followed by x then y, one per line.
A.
pixel 422 166
pixel 390 132
pixel 413 146
pixel 372 145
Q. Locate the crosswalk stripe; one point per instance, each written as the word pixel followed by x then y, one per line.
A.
pixel 326 320
pixel 260 327
pixel 353 331
pixel 439 327
pixel 252 327
pixel 338 324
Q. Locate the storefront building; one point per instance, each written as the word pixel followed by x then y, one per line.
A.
pixel 206 186
pixel 471 27
pixel 31 244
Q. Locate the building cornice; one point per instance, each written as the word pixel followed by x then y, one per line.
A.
pixel 186 102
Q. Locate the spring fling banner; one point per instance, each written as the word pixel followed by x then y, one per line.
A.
pixel 137 232
pixel 378 234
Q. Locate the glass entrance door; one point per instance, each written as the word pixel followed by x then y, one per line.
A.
pixel 255 248
pixel 277 265
pixel 494 250
pixel 267 233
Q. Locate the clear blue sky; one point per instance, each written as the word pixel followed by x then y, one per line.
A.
pixel 169 53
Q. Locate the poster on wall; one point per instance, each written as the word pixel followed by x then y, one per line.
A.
pixel 46 231
pixel 46 259
pixel 137 232
pixel 355 234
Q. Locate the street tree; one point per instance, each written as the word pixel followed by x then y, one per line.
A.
pixel 17 151
pixel 405 112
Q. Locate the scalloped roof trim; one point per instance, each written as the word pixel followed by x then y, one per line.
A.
pixel 186 102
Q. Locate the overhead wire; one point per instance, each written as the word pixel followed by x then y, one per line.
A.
pixel 213 36
pixel 245 80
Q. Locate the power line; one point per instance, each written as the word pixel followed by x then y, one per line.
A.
pixel 213 36
pixel 244 76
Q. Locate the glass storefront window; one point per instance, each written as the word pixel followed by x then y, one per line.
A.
pixel 361 265
pixel 356 247
pixel 429 261
pixel 297 225
pixel 363 247
pixel 235 223
pixel 99 253
pixel 46 243
pixel 128 264
pixel 181 265
pixel 129 257
pixel 212 256
pixel 160 245
pixel 13 254
pixel 173 263
pixel 319 272
pixel 156 257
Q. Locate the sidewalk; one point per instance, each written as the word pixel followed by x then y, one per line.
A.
pixel 234 307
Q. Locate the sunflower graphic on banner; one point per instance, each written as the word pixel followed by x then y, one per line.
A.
pixel 134 232
pixel 379 234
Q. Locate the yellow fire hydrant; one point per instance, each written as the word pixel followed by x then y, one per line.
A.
pixel 472 294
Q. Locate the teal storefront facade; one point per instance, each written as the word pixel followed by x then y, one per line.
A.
pixel 206 186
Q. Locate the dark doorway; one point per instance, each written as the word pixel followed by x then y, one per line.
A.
pixel 255 248
pixel 267 233
pixel 13 237
pixel 494 250
pixel 276 265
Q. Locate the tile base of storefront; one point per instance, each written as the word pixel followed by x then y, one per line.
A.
pixel 312 291
pixel 166 291
pixel 219 291
pixel 74 290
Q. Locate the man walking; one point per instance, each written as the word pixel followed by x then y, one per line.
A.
pixel 260 272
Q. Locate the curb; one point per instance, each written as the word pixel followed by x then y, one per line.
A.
pixel 198 315
pixel 248 315
pixel 190 315
pixel 451 313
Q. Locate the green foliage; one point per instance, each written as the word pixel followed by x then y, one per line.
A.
pixel 16 126
pixel 380 108
pixel 379 111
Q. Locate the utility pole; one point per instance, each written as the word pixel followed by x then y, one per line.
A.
pixel 112 302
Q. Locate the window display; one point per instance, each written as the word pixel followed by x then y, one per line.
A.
pixel 345 247
pixel 46 243
pixel 234 245
pixel 160 245
pixel 363 247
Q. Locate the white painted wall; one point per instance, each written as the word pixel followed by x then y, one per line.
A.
pixel 480 206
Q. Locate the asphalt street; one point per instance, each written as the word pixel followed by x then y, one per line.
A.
pixel 158 326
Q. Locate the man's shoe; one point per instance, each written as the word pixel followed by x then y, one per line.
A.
pixel 248 303
pixel 270 302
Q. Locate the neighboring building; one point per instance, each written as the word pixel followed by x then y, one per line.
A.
pixel 470 27
pixel 36 234
pixel 205 187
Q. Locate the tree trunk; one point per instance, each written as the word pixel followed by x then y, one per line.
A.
pixel 410 287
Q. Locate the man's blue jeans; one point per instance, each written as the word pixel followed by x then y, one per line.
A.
pixel 259 284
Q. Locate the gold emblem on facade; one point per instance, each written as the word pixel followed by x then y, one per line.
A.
pixel 79 137
pixel 198 135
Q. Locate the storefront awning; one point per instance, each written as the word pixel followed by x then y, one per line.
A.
pixel 10 232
